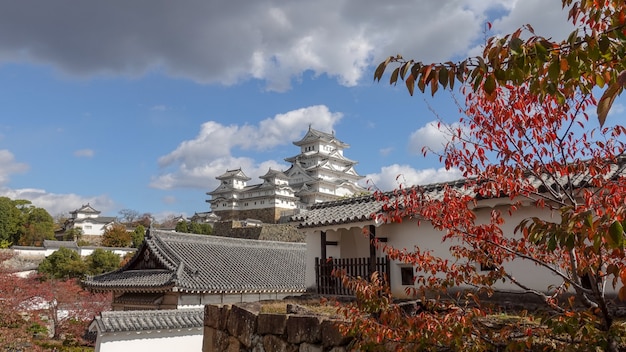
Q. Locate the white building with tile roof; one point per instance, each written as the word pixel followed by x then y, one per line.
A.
pixel 174 270
pixel 149 330
pixel 320 172
pixel 335 239
pixel 89 221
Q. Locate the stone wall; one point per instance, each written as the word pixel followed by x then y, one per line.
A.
pixel 268 215
pixel 243 328
pixel 266 232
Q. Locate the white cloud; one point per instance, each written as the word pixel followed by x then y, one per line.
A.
pixel 84 153
pixel 385 151
pixel 54 203
pixel 271 40
pixel 9 166
pixel 390 177
pixel 198 161
pixel 433 136
pixel 550 22
pixel 57 204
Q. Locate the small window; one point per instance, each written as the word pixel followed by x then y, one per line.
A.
pixel 408 276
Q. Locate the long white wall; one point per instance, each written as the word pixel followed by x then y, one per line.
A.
pixel 153 341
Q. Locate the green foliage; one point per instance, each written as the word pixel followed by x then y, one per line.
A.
pixel 116 236
pixel 73 234
pixel 63 264
pixel 11 220
pixel 181 226
pixel 138 236
pixel 201 229
pixel 194 227
pixel 37 330
pixel 22 223
pixel 38 226
pixel 102 261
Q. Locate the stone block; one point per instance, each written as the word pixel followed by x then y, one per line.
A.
pixel 274 324
pixel 331 336
pixel 234 345
pixel 338 349
pixel 303 329
pixel 216 316
pixel 214 340
pixel 272 343
pixel 242 323
pixel 307 347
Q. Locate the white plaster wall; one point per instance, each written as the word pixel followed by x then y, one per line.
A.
pixel 408 234
pixel 352 244
pixel 313 250
pixel 153 341
pixel 95 230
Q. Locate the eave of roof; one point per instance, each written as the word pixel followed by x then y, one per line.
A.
pixel 149 320
pixel 210 264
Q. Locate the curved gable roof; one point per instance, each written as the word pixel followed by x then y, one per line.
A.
pixel 210 264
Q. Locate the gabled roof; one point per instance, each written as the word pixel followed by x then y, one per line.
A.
pixel 148 320
pixel 274 173
pixel 85 209
pixel 209 264
pixel 237 173
pixel 314 135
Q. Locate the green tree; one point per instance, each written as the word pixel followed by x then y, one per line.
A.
pixel 116 236
pixel 11 220
pixel 201 229
pixel 73 234
pixel 63 264
pixel 102 261
pixel 38 226
pixel 181 226
pixel 138 236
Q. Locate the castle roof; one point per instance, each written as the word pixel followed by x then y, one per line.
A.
pixel 85 209
pixel 237 173
pixel 170 261
pixel 313 135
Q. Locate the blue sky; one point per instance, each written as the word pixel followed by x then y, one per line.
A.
pixel 140 105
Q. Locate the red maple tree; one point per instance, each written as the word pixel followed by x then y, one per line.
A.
pixel 28 304
pixel 524 137
pixel 535 152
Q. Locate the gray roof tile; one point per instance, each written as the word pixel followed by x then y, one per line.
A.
pixel 210 264
pixel 144 320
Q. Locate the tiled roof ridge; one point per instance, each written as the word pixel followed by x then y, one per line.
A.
pixel 164 253
pixel 144 320
pixel 223 240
